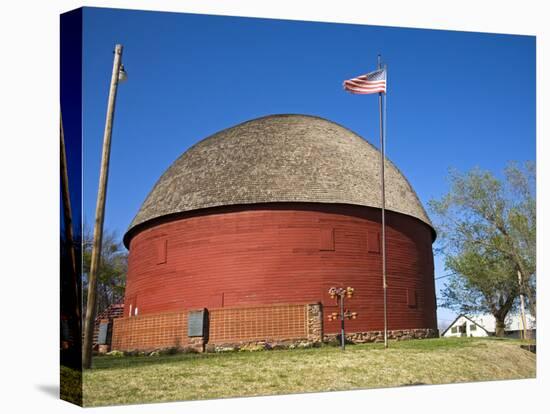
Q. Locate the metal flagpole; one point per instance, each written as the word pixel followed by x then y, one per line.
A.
pixel 382 180
pixel 343 339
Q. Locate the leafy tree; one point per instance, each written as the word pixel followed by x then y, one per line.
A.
pixel 482 281
pixel 111 277
pixel 487 234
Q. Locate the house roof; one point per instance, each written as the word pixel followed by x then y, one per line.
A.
pixel 471 320
pixel 279 158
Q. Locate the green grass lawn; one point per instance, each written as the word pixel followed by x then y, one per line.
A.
pixel 126 380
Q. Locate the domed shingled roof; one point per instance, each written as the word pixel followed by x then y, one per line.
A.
pixel 279 158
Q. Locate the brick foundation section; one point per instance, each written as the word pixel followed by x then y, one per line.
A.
pixel 148 332
pixel 280 322
pixel 265 326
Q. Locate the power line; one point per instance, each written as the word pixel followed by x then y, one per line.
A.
pixel 444 276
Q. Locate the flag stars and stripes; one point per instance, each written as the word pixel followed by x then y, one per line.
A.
pixel 372 82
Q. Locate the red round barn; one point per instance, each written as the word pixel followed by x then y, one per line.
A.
pixel 276 211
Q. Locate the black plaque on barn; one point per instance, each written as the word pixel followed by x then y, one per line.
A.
pixel 102 334
pixel 196 322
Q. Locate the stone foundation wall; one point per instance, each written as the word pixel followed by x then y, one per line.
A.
pixel 378 336
pixel 315 322
pixel 196 343
pixel 267 344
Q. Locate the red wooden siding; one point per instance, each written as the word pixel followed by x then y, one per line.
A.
pixel 273 254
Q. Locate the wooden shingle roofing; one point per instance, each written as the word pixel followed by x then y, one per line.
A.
pixel 279 158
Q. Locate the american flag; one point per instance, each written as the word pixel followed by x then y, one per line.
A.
pixel 373 82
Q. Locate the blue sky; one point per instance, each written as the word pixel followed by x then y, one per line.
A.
pixel 455 99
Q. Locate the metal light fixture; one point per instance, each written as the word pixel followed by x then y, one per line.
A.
pixel 122 75
pixel 340 294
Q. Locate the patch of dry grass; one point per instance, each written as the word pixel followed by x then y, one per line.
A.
pixel 184 377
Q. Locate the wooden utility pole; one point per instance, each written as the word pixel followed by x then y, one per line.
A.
pixel 522 306
pixel 100 213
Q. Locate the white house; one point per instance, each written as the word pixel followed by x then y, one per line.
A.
pixel 484 325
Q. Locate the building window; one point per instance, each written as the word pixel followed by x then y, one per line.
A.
pixel 162 247
pixel 454 329
pixel 473 327
pixel 411 298
pixel 326 242
pixel 132 308
pixel 373 242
